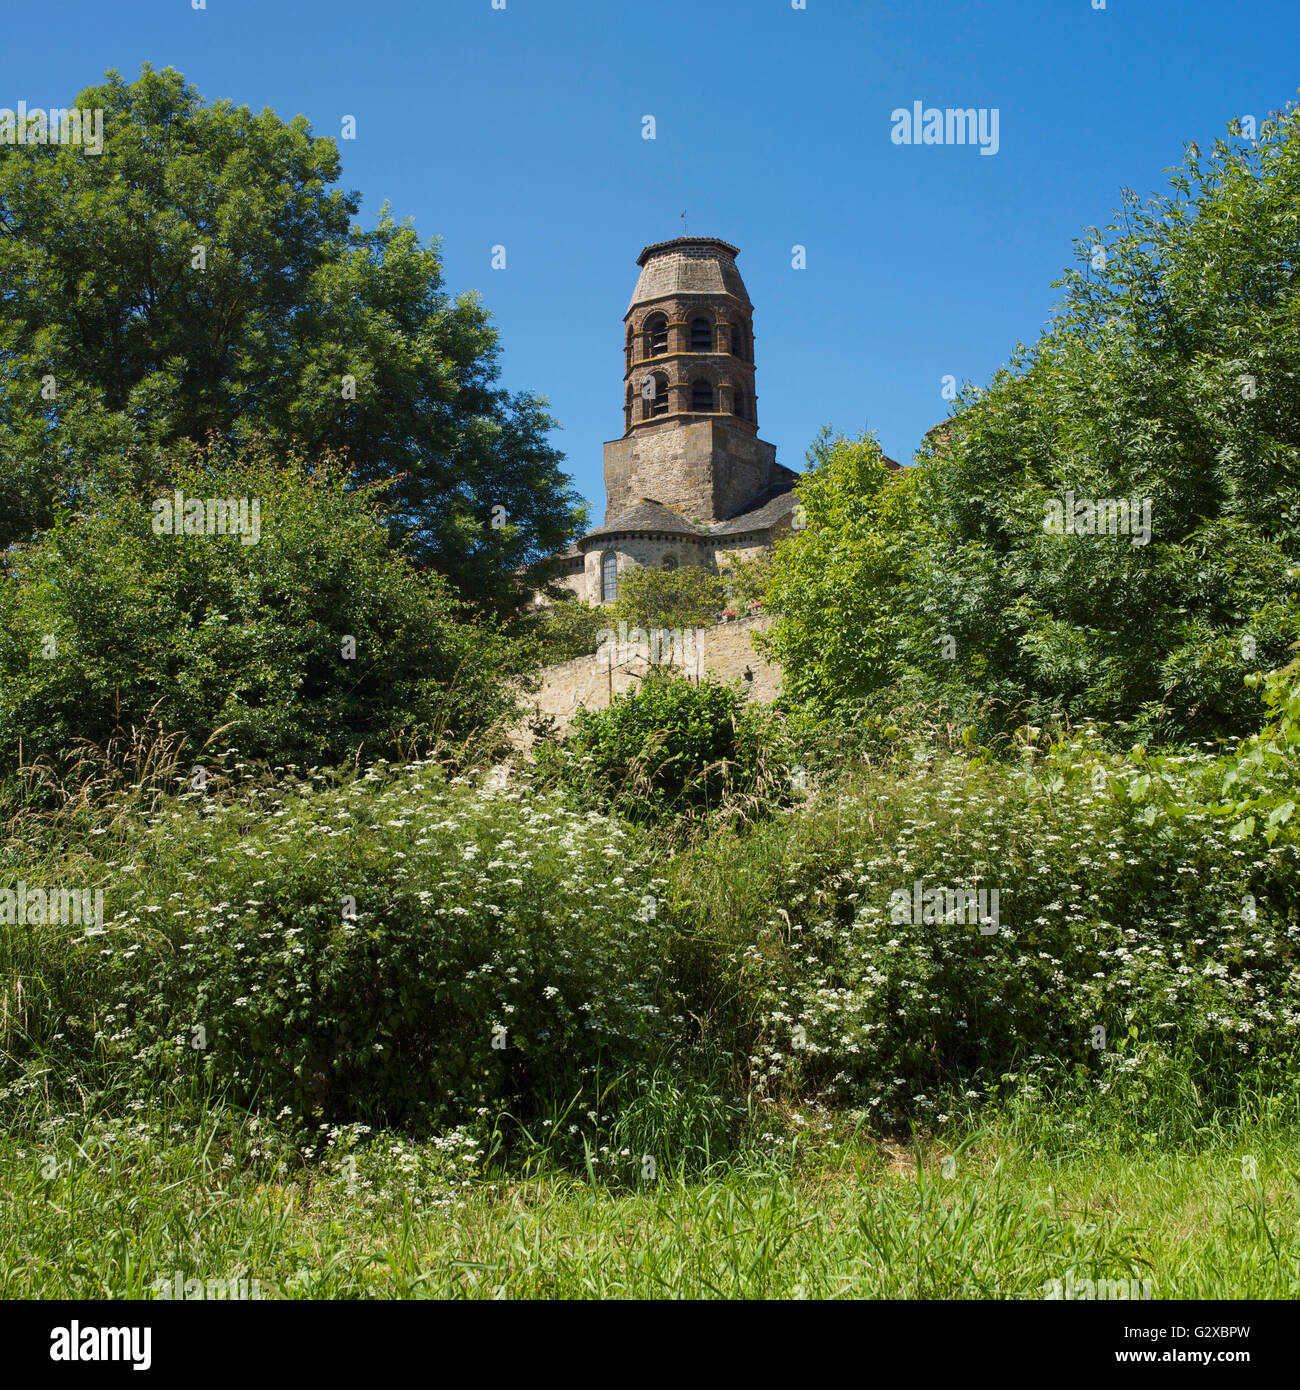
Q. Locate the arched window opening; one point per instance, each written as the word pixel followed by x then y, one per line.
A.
pixel 701 335
pixel 656 335
pixel 740 406
pixel 653 390
pixel 701 397
pixel 670 562
pixel 739 345
pixel 608 577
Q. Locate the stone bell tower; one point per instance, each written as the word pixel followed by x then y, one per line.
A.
pixel 690 409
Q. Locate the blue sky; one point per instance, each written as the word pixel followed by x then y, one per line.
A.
pixel 523 127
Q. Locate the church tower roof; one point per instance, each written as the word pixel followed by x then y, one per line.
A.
pixel 688 265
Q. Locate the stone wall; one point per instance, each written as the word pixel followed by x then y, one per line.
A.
pixel 724 651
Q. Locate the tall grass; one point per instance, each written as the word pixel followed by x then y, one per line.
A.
pixel 839 1217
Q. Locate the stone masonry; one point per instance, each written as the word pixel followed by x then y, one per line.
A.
pixel 725 652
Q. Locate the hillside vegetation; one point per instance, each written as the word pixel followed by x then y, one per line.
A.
pixel 972 969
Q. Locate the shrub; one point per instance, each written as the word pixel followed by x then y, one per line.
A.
pixel 319 642
pixel 566 630
pixel 1172 936
pixel 672 748
pixel 747 582
pixel 686 597
pixel 402 952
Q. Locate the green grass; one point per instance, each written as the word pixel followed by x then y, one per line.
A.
pixel 823 1218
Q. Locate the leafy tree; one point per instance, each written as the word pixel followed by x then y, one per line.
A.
pixel 838 583
pixel 690 596
pixel 313 641
pixel 1169 375
pixel 202 277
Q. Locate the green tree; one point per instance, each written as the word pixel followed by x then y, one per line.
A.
pixel 316 642
pixel 202 277
pixel 1171 372
pixel 839 581
pixel 690 596
pixel 1169 375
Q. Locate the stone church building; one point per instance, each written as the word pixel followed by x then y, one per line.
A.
pixel 689 482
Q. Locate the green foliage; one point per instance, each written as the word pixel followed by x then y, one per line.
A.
pixel 107 627
pixel 747 583
pixel 1264 777
pixel 813 1214
pixel 147 348
pixel 1161 930
pixel 1170 374
pixel 672 748
pixel 397 951
pixel 838 584
pixel 689 596
pixel 567 629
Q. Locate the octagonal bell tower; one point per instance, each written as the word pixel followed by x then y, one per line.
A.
pixel 690 407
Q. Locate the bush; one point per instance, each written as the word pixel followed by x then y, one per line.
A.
pixel 506 955
pixel 687 597
pixel 747 583
pixel 1173 935
pixel 319 642
pixel 673 748
pixel 567 630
